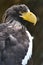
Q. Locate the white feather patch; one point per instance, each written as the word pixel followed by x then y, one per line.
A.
pixel 29 52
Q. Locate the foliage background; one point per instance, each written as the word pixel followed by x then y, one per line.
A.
pixel 36 6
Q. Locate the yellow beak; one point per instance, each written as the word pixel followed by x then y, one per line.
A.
pixel 29 16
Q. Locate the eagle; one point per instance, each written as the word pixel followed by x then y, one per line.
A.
pixel 16 42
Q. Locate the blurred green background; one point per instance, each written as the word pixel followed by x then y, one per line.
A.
pixel 36 6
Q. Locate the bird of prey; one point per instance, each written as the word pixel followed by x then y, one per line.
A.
pixel 15 40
